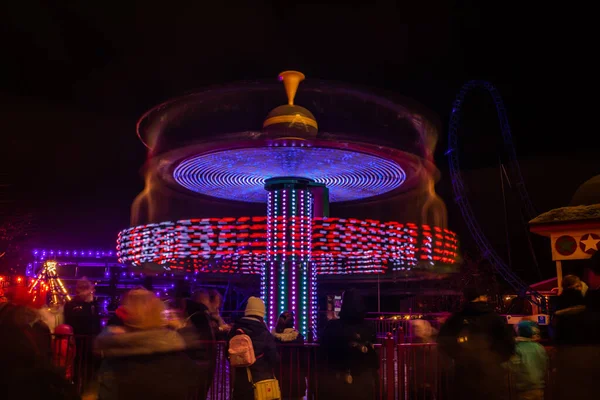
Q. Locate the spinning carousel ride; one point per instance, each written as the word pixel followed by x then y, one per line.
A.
pixel 297 171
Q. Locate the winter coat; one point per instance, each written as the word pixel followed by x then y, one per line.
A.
pixel 83 317
pixel 200 328
pixel 569 298
pixel 145 364
pixel 25 354
pixel 347 350
pixel 267 359
pixel 529 365
pixel 577 357
pixel 293 367
pixel 479 341
pixel 567 324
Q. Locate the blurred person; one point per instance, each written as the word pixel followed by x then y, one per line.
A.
pixel 350 360
pixel 529 365
pixel 220 332
pixel 479 341
pixel 292 374
pixel 267 359
pixel 575 283
pixel 421 369
pixel 53 315
pixel 577 356
pixel 200 337
pixel 82 313
pixel 143 359
pixel 422 331
pixel 198 314
pixel 569 305
pixel 220 327
pixel 26 355
pixel 572 294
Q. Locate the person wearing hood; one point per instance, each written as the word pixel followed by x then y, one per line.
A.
pixel 529 365
pixel 350 363
pixel 292 375
pixel 267 359
pixel 143 359
pixel 479 341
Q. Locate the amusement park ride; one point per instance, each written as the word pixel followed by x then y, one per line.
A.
pixel 297 171
pixel 461 198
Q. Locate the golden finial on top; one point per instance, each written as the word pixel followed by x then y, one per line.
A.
pixel 291 80
pixel 290 121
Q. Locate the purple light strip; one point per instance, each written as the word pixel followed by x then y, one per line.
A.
pixel 74 253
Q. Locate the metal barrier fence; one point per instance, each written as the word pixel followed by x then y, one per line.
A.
pixel 406 371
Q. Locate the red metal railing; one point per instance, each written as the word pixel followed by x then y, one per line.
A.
pixel 406 371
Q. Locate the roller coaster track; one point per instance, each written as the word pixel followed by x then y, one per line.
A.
pixel 460 194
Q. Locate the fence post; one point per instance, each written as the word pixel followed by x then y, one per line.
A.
pixel 389 344
pixel 400 334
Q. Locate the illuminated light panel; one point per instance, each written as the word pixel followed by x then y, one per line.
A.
pixel 240 174
pixel 241 245
pixel 290 274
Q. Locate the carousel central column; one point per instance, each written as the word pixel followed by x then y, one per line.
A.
pixel 289 276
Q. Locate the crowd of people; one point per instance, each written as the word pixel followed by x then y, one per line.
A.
pixel 493 359
pixel 148 350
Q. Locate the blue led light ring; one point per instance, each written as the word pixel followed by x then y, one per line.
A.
pixel 240 174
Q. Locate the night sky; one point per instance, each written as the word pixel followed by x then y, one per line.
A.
pixel 75 77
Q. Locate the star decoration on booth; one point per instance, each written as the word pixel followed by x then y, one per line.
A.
pixel 566 245
pixel 589 243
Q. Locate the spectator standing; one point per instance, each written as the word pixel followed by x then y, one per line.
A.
pixel 267 360
pixel 82 312
pixel 350 363
pixel 577 357
pixel 200 337
pixel 529 365
pixel 143 359
pixel 479 341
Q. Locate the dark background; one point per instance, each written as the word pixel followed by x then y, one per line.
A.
pixel 75 77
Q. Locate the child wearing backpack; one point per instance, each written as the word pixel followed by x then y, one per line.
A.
pixel 252 351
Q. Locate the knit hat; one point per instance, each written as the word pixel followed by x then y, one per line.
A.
pixel 527 329
pixel 255 308
pixel 141 309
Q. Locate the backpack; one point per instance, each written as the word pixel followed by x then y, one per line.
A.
pixel 241 350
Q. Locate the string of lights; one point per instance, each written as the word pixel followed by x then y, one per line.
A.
pixel 290 273
pixel 242 245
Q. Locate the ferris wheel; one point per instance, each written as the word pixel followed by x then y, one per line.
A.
pixel 460 194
